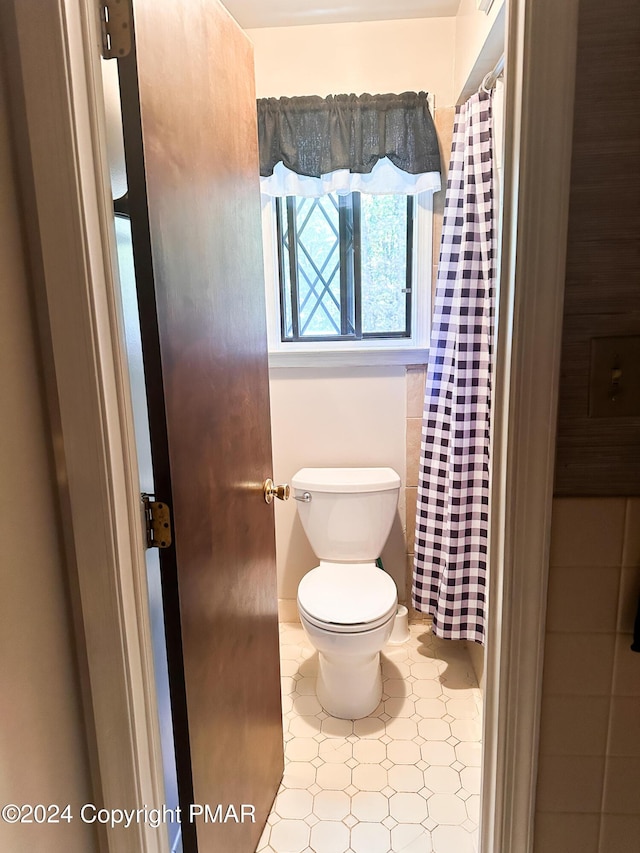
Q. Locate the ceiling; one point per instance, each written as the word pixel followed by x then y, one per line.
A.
pixel 290 13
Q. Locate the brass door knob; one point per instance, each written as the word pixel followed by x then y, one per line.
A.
pixel 272 491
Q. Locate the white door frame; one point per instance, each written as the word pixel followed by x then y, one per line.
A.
pixel 75 274
pixel 539 94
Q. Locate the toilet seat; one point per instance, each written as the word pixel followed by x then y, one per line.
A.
pixel 347 597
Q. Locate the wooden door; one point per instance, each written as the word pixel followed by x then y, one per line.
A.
pixel 189 117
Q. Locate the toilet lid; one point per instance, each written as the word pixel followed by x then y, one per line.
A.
pixel 347 594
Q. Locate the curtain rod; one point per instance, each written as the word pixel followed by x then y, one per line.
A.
pixel 489 79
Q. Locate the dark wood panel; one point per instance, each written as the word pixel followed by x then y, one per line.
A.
pixel 603 277
pixel 578 332
pixel 612 211
pixel 615 470
pixel 619 434
pixel 601 456
pixel 614 114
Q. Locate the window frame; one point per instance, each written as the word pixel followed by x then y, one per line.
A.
pixel 369 350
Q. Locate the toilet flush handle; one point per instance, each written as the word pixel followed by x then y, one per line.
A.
pixel 304 498
pixel 272 491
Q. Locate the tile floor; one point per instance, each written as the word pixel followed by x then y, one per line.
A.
pixel 406 779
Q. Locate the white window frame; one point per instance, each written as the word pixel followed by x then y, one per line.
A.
pixel 371 351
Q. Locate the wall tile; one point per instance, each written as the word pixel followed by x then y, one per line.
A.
pixel 412 497
pixel 414 434
pixel 624 731
pixel 620 833
pixel 476 653
pixel 573 725
pixel 629 598
pixel 566 833
pixel 626 672
pixel 415 391
pixel 583 599
pixel 631 550
pixel 438 219
pixel 288 610
pixel 622 785
pixel 416 374
pixel 444 119
pixel 587 531
pixel 434 279
pixel 578 664
pixel 409 584
pixel 570 783
pixel 416 616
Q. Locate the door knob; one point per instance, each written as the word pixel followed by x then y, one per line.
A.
pixel 272 491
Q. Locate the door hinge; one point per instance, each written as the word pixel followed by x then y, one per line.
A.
pixel 157 519
pixel 115 23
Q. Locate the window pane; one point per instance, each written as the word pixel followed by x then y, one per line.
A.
pixel 285 270
pixel 383 228
pixel 318 265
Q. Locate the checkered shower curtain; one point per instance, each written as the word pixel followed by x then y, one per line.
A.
pixel 452 517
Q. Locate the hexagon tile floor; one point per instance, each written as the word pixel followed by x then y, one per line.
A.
pixel 404 780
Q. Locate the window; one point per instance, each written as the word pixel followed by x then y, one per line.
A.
pixel 345 267
pixel 348 273
pixel 347 183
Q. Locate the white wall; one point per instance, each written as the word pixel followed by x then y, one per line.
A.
pixel 351 416
pixel 479 43
pixel 43 755
pixel 374 57
pixel 355 416
pixel 325 417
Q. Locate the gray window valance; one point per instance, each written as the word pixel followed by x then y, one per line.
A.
pixel 313 136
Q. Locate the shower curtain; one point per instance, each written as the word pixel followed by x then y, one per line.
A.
pixel 452 520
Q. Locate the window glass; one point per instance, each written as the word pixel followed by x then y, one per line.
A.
pixel 383 264
pixel 318 255
pixel 345 266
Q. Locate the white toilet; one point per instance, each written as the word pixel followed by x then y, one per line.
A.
pixel 347 604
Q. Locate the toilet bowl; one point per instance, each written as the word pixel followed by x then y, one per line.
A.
pixel 347 604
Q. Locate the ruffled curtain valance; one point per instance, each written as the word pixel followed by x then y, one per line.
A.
pixel 314 136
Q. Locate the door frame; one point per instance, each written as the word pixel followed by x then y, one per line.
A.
pixel 61 119
pixel 539 95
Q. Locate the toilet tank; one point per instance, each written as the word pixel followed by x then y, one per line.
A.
pixel 350 512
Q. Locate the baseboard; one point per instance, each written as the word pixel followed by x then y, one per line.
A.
pixel 418 618
pixel 288 610
pixel 476 653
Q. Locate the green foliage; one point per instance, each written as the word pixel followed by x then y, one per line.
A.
pixel 384 262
